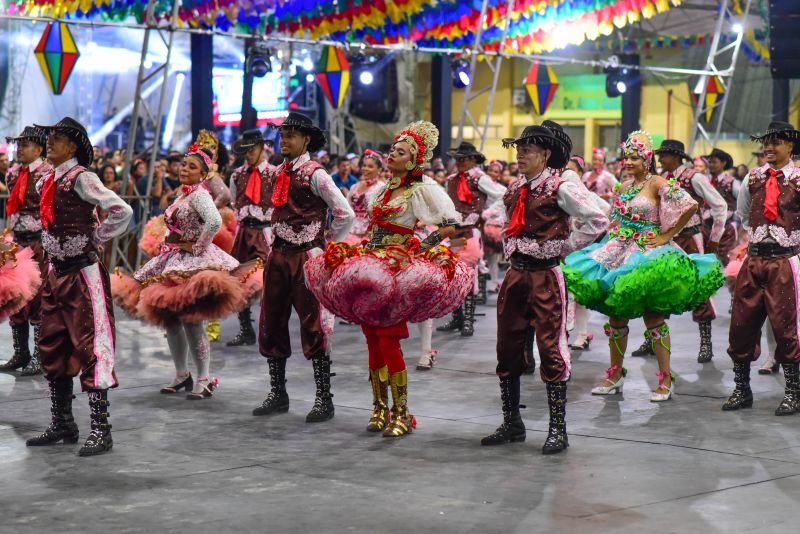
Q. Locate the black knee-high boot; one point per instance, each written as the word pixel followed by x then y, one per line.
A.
pixel 512 429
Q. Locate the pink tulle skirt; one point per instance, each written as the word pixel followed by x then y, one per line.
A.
pixel 470 253
pixel 493 236
pixel 201 296
pixel 386 287
pixel 20 279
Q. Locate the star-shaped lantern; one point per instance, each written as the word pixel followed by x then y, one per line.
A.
pixel 57 55
pixel 333 75
pixel 541 84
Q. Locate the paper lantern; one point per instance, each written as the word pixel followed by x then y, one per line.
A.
pixel 57 55
pixel 715 92
pixel 541 84
pixel 333 75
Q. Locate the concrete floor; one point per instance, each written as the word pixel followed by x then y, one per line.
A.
pixel 209 466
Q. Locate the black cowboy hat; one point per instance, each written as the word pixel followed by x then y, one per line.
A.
pixel 250 138
pixel 298 121
pixel 560 134
pixel 672 146
pixel 468 150
pixel 30 133
pixel 781 130
pixel 723 156
pixel 543 137
pixel 77 134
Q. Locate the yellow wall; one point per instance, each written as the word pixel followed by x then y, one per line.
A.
pixel 666 112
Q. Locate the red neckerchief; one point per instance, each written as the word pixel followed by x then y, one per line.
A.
pixel 46 213
pixel 17 198
pixel 771 199
pixel 280 190
pixel 517 222
pixel 463 191
pixel 253 190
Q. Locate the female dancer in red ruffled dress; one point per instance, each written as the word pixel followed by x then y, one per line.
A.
pixel 395 277
pixel 190 281
pixel 372 165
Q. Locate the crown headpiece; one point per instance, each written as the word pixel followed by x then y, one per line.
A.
pixel 422 137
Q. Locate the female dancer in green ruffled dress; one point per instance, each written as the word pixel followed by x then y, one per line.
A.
pixel 637 271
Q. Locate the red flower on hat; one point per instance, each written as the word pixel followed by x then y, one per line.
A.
pixel 194 148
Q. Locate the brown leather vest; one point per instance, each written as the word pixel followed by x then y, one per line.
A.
pixel 32 198
pixel 788 200
pixel 726 190
pixel 544 219
pixel 75 219
pixel 478 197
pixel 240 178
pixel 303 207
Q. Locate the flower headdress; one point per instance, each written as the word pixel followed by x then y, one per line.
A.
pixel 639 142
pixel 377 157
pixel 195 150
pixel 422 137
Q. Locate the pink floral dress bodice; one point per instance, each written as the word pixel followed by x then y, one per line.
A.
pixel 636 218
pixel 192 218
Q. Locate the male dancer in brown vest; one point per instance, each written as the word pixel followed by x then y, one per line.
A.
pixel 303 195
pixel 768 285
pixel 471 191
pixel 251 191
pixel 77 332
pixel 22 210
pixel 537 235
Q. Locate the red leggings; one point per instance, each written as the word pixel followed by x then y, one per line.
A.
pixel 383 345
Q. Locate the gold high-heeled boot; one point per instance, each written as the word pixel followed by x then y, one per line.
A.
pixel 400 421
pixel 379 378
pixel 213 330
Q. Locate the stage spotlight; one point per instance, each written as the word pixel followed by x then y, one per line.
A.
pixel 460 74
pixel 258 60
pixel 308 65
pixel 622 87
pixel 310 78
pixel 737 28
pixel 366 78
pixel 619 79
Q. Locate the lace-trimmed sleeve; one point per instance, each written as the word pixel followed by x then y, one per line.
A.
pixel 674 203
pixel 212 221
pixel 432 206
pixel 90 189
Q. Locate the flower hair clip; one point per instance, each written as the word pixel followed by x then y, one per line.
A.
pixel 194 150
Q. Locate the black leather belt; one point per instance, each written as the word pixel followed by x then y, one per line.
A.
pixel 770 250
pixel 282 244
pixel 254 223
pixel 27 237
pixel 689 231
pixel 74 264
pixel 523 262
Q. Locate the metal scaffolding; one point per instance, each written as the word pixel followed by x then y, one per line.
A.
pixel 125 251
pixel 494 63
pixel 716 57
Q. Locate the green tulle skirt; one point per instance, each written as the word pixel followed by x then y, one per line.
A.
pixel 664 280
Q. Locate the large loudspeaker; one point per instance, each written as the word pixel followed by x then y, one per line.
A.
pixel 378 101
pixel 784 38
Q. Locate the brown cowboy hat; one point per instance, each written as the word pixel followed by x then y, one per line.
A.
pixel 543 137
pixel 77 134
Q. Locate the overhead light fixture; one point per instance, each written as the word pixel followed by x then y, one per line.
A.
pixel 258 60
pixel 310 78
pixel 737 28
pixel 460 74
pixel 366 77
pixel 308 65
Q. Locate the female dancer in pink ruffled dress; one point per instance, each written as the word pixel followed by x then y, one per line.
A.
pixel 395 277
pixel 19 276
pixel 190 281
pixel 372 166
